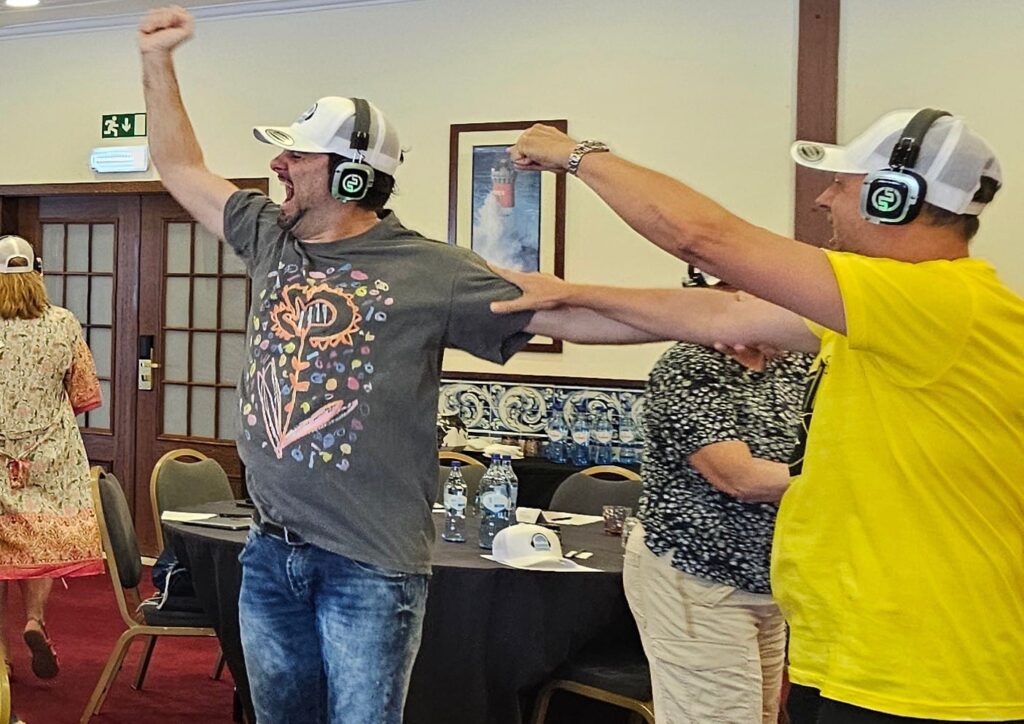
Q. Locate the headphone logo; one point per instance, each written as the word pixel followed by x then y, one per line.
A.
pixel 887 198
pixel 353 183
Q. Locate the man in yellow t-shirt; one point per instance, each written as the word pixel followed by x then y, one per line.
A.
pixel 899 548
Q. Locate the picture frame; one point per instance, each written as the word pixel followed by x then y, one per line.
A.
pixel 512 218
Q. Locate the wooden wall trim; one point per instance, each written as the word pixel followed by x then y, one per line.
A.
pixel 817 92
pixel 110 187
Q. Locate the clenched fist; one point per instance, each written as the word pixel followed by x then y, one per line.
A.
pixel 164 29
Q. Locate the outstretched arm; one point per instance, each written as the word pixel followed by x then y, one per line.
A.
pixel 585 326
pixel 704 316
pixel 691 226
pixel 172 142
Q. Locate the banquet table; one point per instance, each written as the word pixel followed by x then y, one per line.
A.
pixel 491 633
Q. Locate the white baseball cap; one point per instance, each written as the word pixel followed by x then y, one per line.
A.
pixel 952 159
pixel 14 247
pixel 326 127
pixel 529 546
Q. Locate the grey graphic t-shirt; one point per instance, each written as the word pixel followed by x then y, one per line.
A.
pixel 338 399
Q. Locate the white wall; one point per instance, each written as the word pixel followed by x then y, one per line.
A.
pixel 700 90
pixel 962 57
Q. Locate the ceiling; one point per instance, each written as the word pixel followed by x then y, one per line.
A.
pixel 62 16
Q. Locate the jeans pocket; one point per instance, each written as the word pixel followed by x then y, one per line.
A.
pixel 379 571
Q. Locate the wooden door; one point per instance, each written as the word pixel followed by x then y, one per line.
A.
pixel 193 313
pixel 145 281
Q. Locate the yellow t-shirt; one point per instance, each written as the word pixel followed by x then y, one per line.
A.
pixel 899 551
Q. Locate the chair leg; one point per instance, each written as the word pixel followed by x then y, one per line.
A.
pixel 107 677
pixel 218 668
pixel 540 708
pixel 147 655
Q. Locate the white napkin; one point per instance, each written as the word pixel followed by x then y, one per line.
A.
pixel 179 516
pixel 513 451
pixel 563 565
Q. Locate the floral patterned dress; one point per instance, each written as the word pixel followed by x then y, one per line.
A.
pixel 48 526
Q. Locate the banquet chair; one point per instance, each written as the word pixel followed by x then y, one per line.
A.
pixel 141 618
pixel 5 696
pixel 175 484
pixel 472 471
pixel 587 494
pixel 615 673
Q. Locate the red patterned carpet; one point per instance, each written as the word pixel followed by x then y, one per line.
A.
pixel 84 623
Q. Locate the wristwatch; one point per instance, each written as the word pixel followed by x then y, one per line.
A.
pixel 581 150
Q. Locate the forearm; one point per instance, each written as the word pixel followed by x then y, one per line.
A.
pixel 667 212
pixel 689 315
pixel 730 467
pixel 585 326
pixel 172 140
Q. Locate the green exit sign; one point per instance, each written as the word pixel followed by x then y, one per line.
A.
pixel 123 125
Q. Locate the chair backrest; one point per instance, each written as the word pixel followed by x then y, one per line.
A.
pixel 120 543
pixel 586 494
pixel 5 696
pixel 471 475
pixel 176 484
pixel 450 455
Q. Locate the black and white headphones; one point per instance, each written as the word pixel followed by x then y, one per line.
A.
pixel 896 194
pixel 352 179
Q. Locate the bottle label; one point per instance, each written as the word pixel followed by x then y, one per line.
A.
pixel 603 436
pixel 627 436
pixel 580 438
pixel 454 503
pixel 556 435
pixel 494 502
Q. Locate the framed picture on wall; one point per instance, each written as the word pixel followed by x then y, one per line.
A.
pixel 512 218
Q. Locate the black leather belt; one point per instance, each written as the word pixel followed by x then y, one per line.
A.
pixel 277 531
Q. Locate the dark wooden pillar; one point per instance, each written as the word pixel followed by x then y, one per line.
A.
pixel 817 89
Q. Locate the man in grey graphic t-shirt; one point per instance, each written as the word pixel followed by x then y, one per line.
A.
pixel 349 316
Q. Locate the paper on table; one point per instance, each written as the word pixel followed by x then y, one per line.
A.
pixel 562 565
pixel 560 518
pixel 182 517
pixel 527 515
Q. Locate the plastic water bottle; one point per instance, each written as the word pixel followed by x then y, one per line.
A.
pixel 513 487
pixel 557 431
pixel 494 503
pixel 580 430
pixel 601 446
pixel 627 439
pixel 455 506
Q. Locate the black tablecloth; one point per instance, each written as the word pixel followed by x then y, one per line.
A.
pixel 491 634
pixel 539 477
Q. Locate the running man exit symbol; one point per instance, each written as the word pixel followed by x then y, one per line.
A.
pixel 123 125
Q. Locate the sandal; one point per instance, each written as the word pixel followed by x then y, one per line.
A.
pixel 44 656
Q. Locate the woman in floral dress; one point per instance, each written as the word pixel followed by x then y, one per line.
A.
pixel 48 525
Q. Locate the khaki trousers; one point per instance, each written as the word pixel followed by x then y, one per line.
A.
pixel 716 652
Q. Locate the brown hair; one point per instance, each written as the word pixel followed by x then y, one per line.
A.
pixel 22 295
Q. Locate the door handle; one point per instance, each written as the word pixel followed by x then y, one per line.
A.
pixel 146 367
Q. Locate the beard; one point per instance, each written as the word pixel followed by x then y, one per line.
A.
pixel 288 223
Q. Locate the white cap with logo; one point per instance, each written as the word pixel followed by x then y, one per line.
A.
pixel 14 247
pixel 529 546
pixel 327 127
pixel 952 159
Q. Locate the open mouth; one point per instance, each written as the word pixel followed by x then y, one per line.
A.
pixel 289 190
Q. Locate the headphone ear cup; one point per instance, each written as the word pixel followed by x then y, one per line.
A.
pixel 892 197
pixel 351 181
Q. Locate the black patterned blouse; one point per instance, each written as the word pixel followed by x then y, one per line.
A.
pixel 696 396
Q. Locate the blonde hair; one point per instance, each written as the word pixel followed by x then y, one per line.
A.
pixel 22 296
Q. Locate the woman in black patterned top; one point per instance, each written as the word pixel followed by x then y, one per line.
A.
pixel 718 435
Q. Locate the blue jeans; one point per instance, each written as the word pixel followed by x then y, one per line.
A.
pixel 326 639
